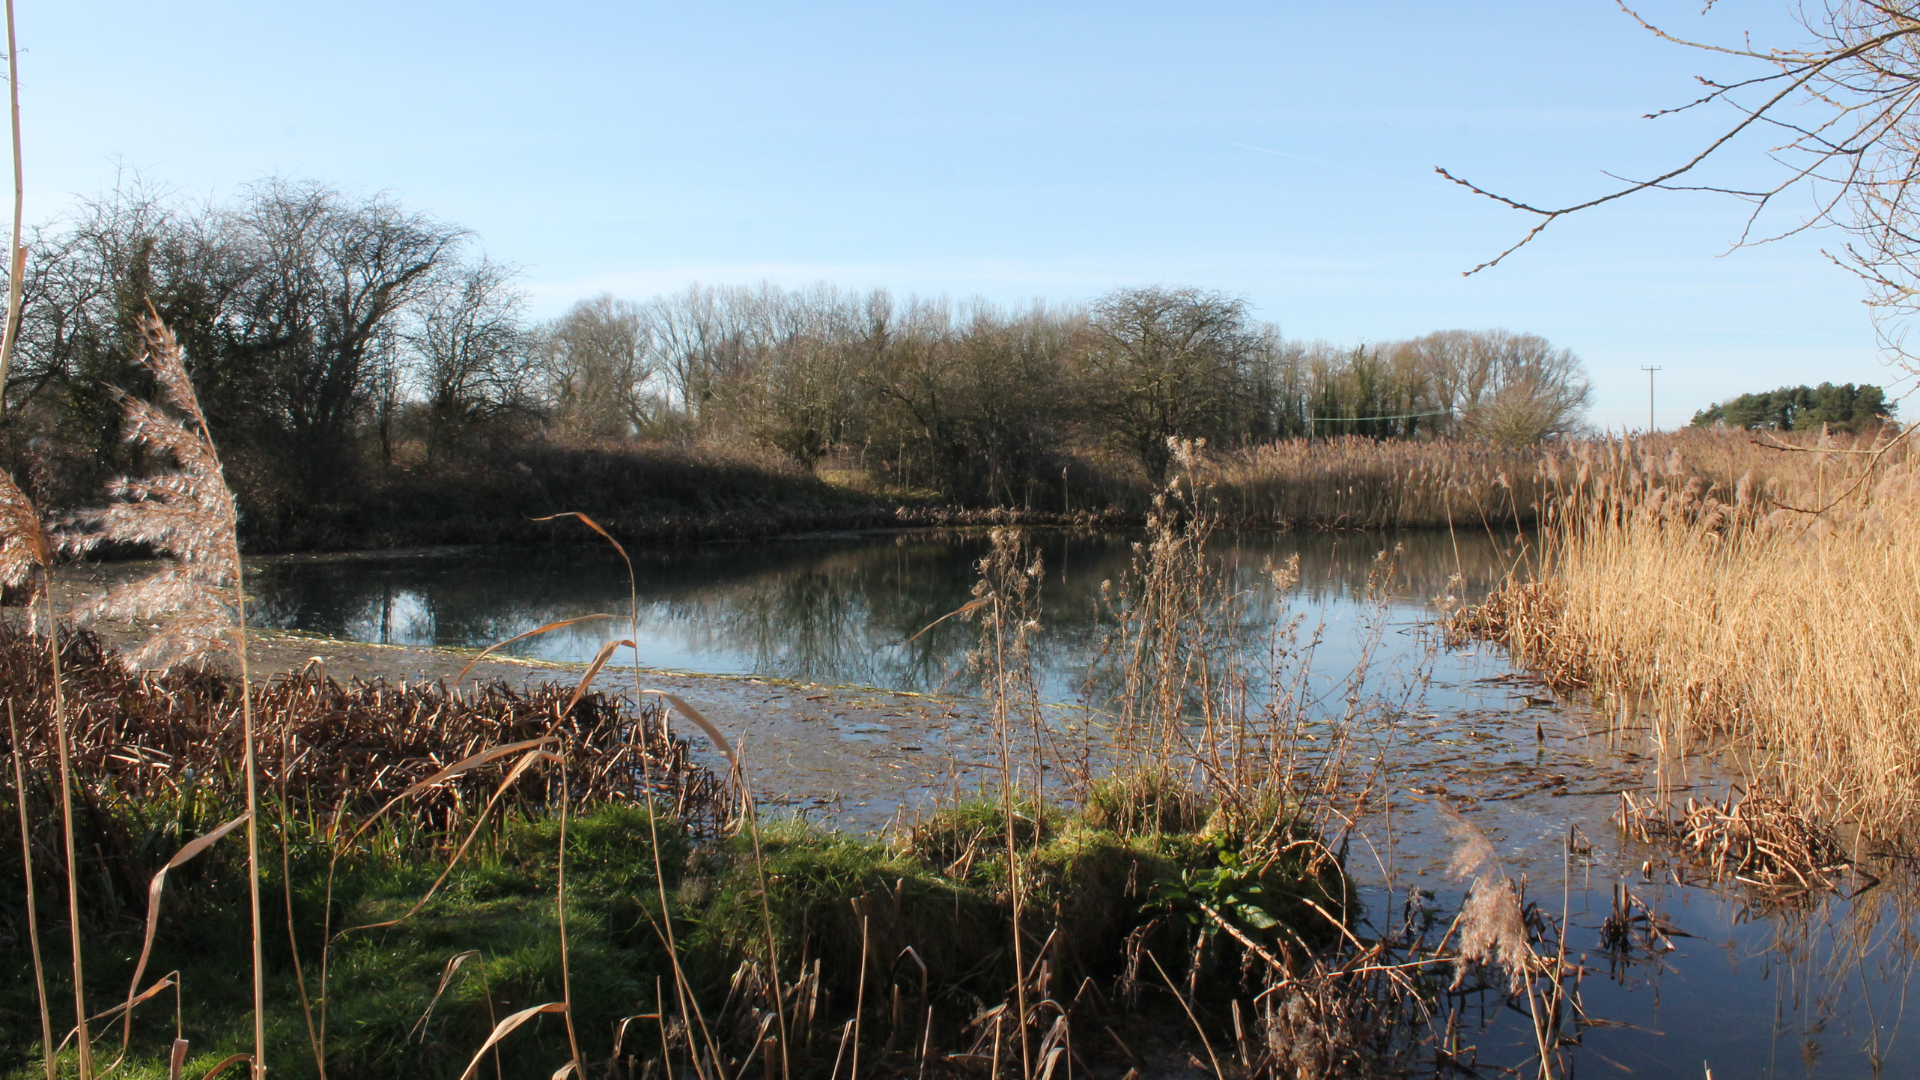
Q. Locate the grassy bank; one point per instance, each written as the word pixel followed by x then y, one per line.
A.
pixel 912 902
pixel 916 928
pixel 1689 580
pixel 673 492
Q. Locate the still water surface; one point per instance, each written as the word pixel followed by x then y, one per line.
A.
pixel 840 611
pixel 1747 985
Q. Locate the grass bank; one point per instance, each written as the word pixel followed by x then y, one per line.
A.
pixel 672 492
pixel 670 888
pixel 1729 590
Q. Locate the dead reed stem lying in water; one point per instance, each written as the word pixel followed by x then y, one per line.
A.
pixel 1677 586
pixel 1757 838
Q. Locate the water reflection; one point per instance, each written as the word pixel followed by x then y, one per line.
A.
pixel 840 611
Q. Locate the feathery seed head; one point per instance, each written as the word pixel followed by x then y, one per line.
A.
pixel 23 542
pixel 187 515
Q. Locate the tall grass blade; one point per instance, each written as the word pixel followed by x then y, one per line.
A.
pixel 228 1063
pixel 18 262
pixel 464 765
pixel 681 706
pixel 154 889
pixel 962 612
pixel 535 632
pixel 527 761
pixel 507 1027
pixel 560 911
pixel 446 978
pixel 600 659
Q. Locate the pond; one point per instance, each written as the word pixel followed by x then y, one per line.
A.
pixel 843 610
pixel 1742 982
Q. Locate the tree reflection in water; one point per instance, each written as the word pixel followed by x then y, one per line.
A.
pixel 831 611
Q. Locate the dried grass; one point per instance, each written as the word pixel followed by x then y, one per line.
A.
pixel 1683 582
pixel 1352 482
pixel 142 739
pixel 1754 837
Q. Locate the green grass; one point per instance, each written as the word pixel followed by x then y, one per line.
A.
pixel 941 890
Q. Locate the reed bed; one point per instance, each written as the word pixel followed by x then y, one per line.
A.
pixel 143 742
pixel 1730 589
pixel 1351 482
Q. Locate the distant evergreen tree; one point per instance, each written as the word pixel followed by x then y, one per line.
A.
pixel 1845 407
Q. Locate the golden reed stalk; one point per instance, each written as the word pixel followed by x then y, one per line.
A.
pixel 1689 581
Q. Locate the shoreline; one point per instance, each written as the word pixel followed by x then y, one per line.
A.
pixel 856 757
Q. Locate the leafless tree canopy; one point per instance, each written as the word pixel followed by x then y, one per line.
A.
pixel 339 343
pixel 471 344
pixel 1504 387
pixel 597 361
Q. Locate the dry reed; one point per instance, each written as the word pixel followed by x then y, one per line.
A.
pixel 1756 838
pixel 1350 482
pixel 1685 580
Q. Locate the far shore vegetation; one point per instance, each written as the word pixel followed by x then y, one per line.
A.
pixel 375 380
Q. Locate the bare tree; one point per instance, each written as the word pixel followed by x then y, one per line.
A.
pixel 329 276
pixel 1844 111
pixel 706 340
pixel 599 379
pixel 1495 384
pixel 471 356
pixel 1169 363
pixel 973 401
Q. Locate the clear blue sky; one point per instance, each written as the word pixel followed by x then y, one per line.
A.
pixel 1278 151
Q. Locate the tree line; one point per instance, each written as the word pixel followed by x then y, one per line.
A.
pixel 1845 407
pixel 336 338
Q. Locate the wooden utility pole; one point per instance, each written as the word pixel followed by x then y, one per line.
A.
pixel 1650 371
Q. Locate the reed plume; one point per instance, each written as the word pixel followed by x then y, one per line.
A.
pixel 186 516
pixel 1493 927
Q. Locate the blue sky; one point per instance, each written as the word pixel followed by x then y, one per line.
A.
pixel 1283 152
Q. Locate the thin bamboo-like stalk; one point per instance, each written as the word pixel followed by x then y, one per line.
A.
pixel 999 570
pixel 560 910
pixel 18 262
pixel 860 995
pixel 60 723
pixel 33 914
pixel 766 917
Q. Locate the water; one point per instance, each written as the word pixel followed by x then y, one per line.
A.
pixel 1748 987
pixel 831 611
